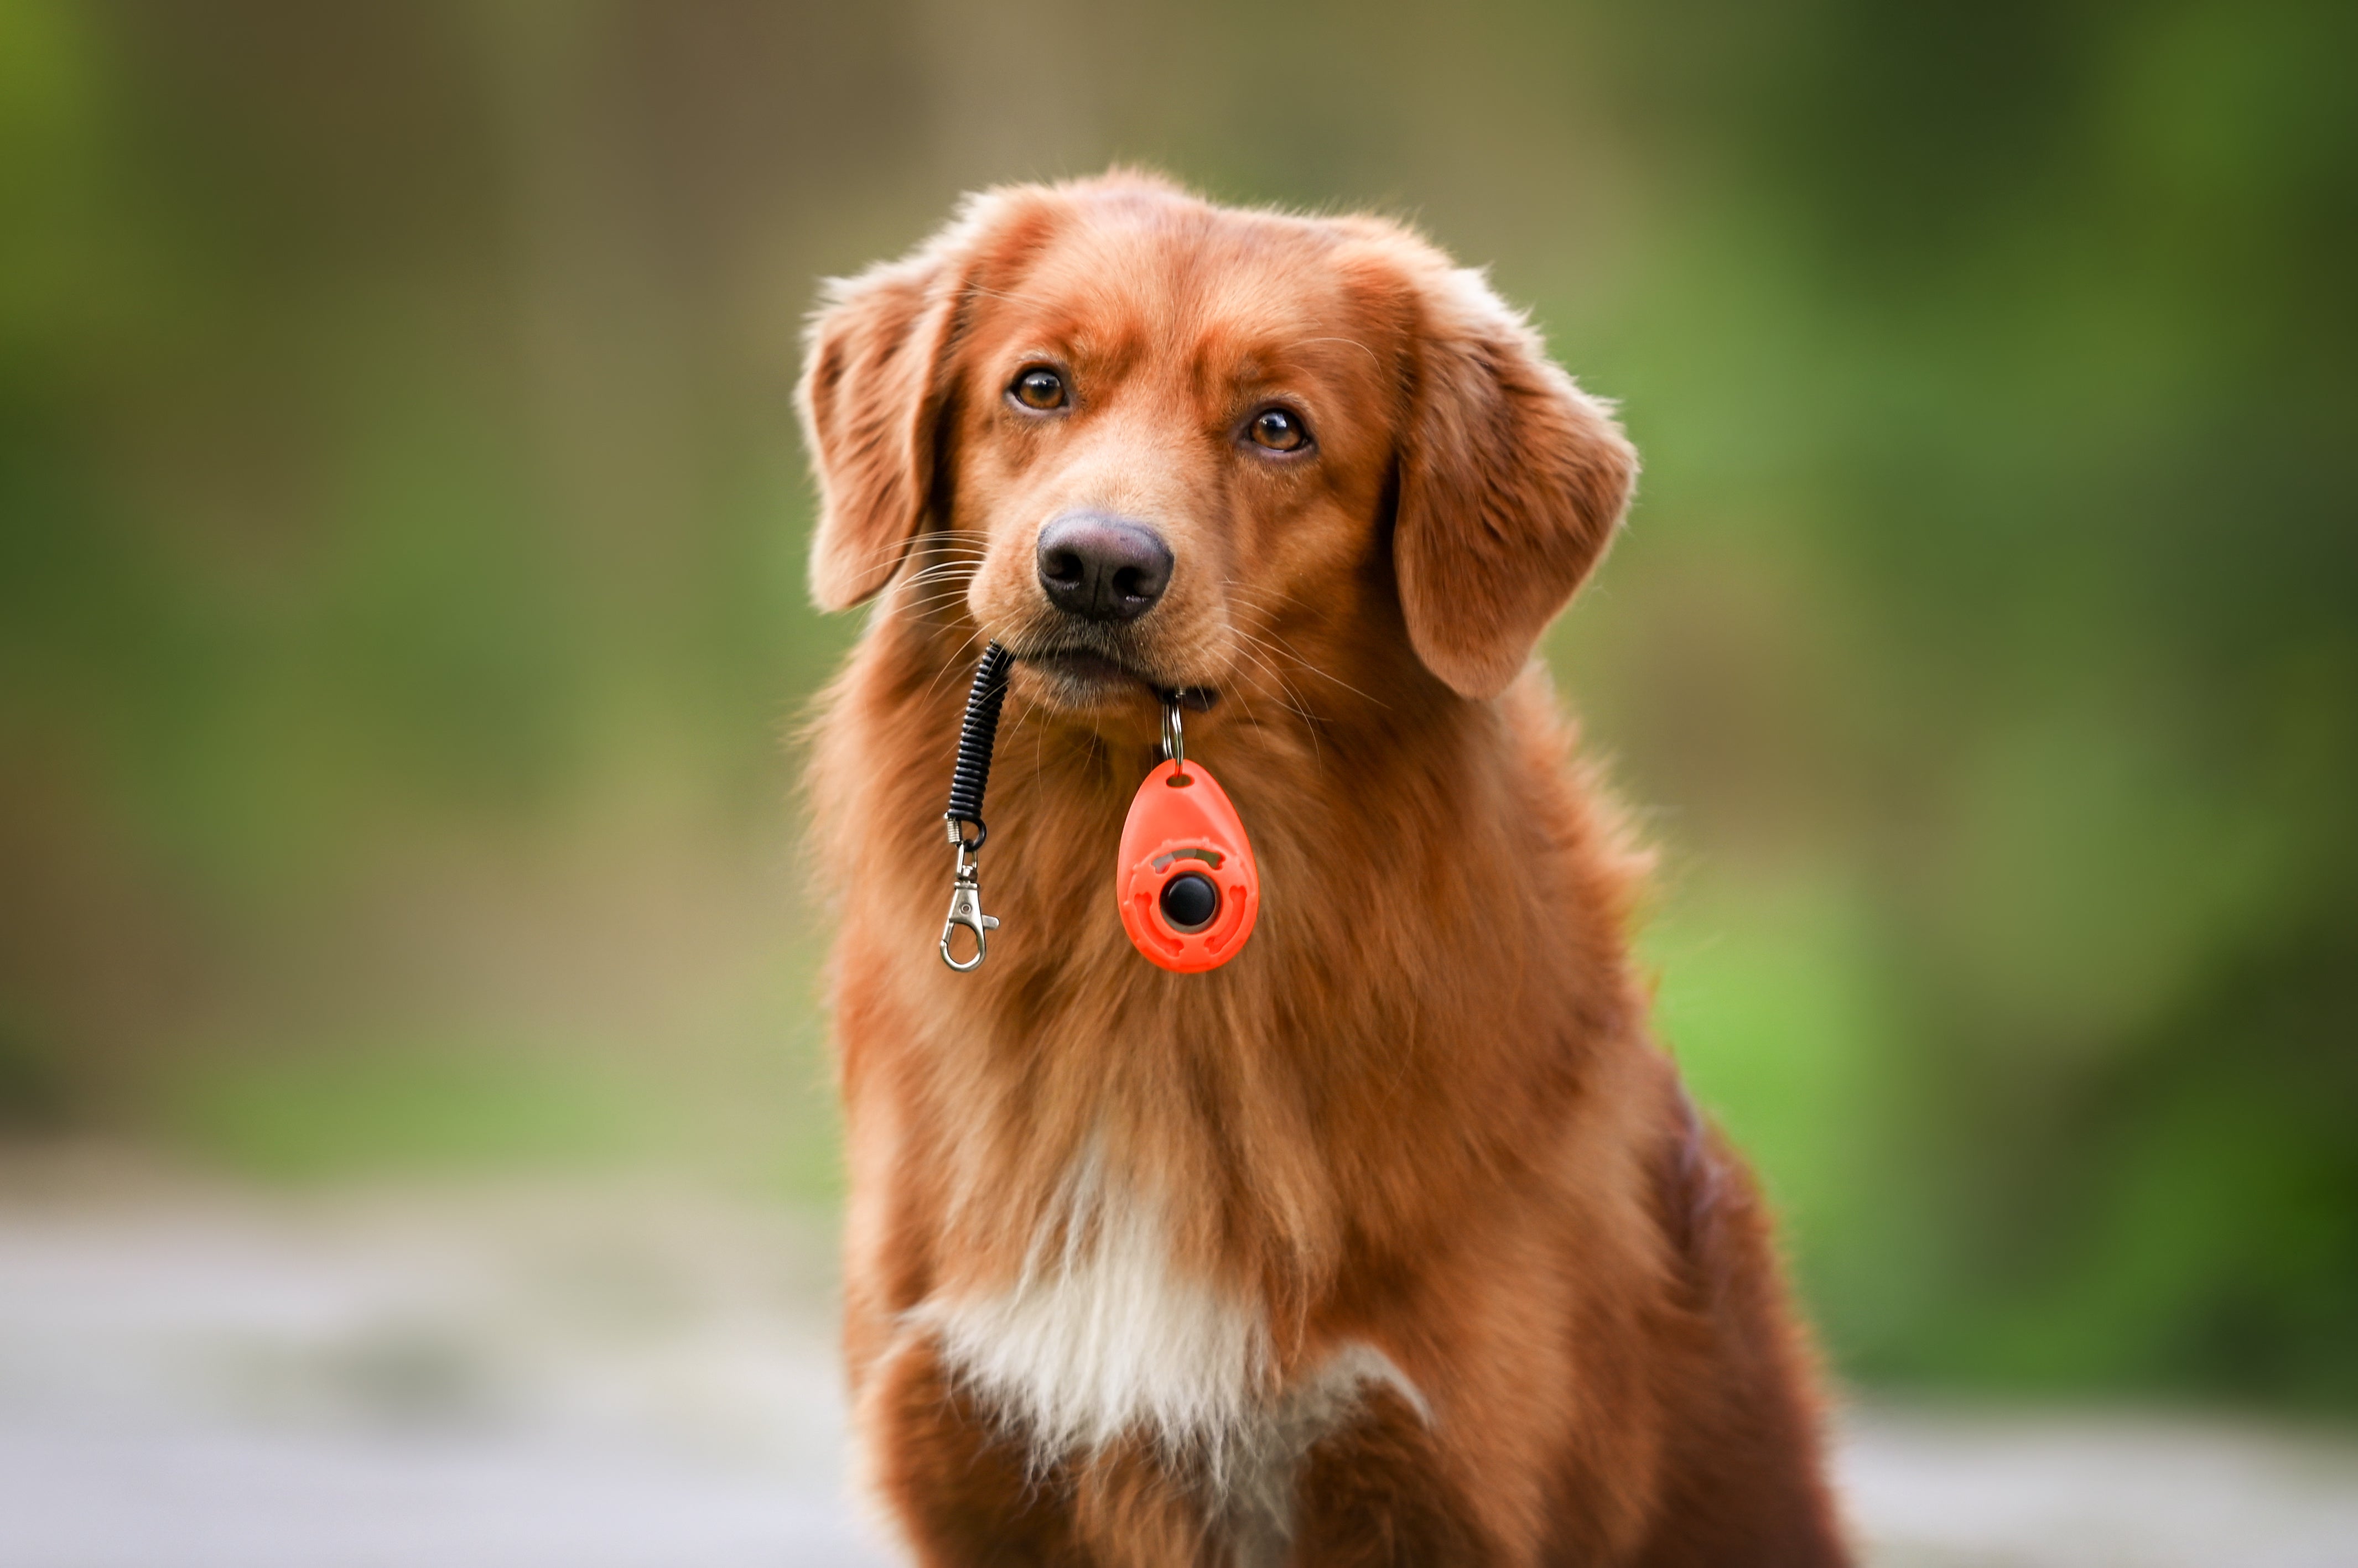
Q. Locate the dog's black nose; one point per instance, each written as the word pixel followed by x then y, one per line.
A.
pixel 1103 568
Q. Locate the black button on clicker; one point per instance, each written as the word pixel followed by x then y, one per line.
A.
pixel 1190 901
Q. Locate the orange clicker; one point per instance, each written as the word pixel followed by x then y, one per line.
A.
pixel 1188 886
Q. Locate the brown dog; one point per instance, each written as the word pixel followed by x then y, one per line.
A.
pixel 1393 1241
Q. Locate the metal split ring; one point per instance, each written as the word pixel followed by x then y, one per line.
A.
pixel 1175 740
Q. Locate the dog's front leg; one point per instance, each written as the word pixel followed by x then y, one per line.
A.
pixel 1374 1494
pixel 969 1493
pixel 963 1490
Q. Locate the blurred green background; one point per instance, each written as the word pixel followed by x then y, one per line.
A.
pixel 402 619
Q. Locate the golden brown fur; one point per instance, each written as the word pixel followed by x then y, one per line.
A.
pixel 1417 1121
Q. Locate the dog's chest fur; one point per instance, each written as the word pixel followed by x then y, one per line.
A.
pixel 1104 1335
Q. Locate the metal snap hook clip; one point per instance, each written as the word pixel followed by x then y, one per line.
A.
pixel 966 906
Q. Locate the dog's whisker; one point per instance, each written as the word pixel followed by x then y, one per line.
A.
pixel 899 560
pixel 956 660
pixel 952 558
pixel 1275 649
pixel 1349 342
pixel 922 544
pixel 1259 652
pixel 957 582
pixel 1284 645
pixel 925 603
pixel 931 609
pixel 941 588
pixel 1286 697
pixel 949 572
pixel 1291 652
pixel 1252 714
pixel 1309 722
pixel 940 615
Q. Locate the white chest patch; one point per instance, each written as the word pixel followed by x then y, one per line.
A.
pixel 1103 1337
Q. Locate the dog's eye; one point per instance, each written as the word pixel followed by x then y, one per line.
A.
pixel 1038 388
pixel 1279 429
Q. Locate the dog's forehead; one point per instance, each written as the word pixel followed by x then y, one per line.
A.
pixel 1242 294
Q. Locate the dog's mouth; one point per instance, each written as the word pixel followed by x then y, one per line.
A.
pixel 1089 677
pixel 1085 669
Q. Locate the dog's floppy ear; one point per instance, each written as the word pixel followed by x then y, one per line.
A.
pixel 1511 483
pixel 874 382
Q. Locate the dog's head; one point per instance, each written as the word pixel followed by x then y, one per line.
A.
pixel 1147 443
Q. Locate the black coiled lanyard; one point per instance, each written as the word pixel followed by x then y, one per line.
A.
pixel 1209 835
pixel 968 778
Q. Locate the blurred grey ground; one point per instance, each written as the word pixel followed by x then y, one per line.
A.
pixel 605 1375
